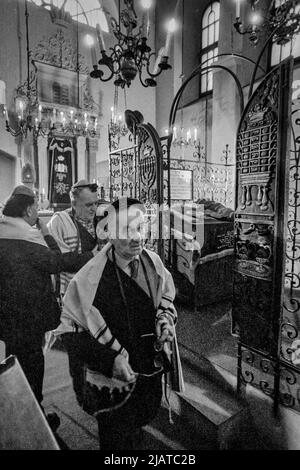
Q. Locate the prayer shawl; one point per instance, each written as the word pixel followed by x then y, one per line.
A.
pixel 63 229
pixel 78 307
pixel 15 228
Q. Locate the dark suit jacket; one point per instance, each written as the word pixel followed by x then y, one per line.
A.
pixel 28 306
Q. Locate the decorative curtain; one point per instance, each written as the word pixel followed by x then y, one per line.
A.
pixel 62 171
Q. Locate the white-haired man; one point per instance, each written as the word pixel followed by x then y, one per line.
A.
pixel 75 229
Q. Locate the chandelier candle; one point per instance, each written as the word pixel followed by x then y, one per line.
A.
pixel 100 40
pixel 237 9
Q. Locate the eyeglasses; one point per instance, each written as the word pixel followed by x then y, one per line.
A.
pixel 93 187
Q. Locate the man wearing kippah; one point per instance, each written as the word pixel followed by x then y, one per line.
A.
pixel 28 306
pixel 118 317
pixel 75 229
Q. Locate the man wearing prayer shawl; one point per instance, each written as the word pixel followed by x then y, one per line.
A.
pixel 28 306
pixel 117 312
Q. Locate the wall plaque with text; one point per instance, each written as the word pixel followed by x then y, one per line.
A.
pixel 181 184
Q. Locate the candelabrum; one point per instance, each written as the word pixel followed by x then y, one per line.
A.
pixel 24 123
pixel 199 151
pixel 117 126
pixel 42 121
pixel 183 140
pixel 74 123
pixel 226 155
pixel 43 202
pixel 116 129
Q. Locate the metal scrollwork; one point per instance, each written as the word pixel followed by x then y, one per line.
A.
pixel 248 357
pixel 59 51
pixel 289 330
pixel 134 170
pixel 266 366
pixel 290 335
pixel 247 376
pixel 288 375
pixel 286 399
pixel 265 388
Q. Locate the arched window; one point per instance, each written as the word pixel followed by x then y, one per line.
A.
pixel 209 43
pixel 281 52
pixel 88 12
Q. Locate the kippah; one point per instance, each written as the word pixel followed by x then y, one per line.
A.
pixel 24 190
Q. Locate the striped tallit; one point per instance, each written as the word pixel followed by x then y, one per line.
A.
pixel 63 229
pixel 78 309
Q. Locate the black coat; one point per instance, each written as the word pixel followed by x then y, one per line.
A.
pixel 28 306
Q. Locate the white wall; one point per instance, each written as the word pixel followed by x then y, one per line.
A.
pixel 7 175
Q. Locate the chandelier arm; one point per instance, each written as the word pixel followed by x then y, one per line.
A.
pixel 107 79
pixel 108 61
pixel 12 131
pixel 145 84
pixel 248 30
pixel 148 67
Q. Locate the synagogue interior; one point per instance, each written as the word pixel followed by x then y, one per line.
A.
pixel 191 107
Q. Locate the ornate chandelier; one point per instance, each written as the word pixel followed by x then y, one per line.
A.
pixel 282 21
pixel 45 121
pixel 131 55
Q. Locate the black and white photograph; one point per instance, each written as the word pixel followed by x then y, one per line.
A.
pixel 150 228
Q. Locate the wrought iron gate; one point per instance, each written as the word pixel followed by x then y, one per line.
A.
pixel 261 214
pixel 137 171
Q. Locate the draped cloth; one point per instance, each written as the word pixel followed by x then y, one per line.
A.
pixel 15 228
pixel 79 311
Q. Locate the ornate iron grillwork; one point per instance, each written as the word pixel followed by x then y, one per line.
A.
pixel 136 171
pixel 262 166
pixel 123 175
pixel 290 335
pixel 210 181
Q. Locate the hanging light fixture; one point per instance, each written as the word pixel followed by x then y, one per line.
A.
pixel 282 19
pixel 131 55
pixel 32 117
pixel 117 127
pixel 27 109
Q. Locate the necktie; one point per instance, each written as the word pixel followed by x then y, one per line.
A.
pixel 134 267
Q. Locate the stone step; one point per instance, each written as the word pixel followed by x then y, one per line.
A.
pixel 210 410
pixel 177 434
